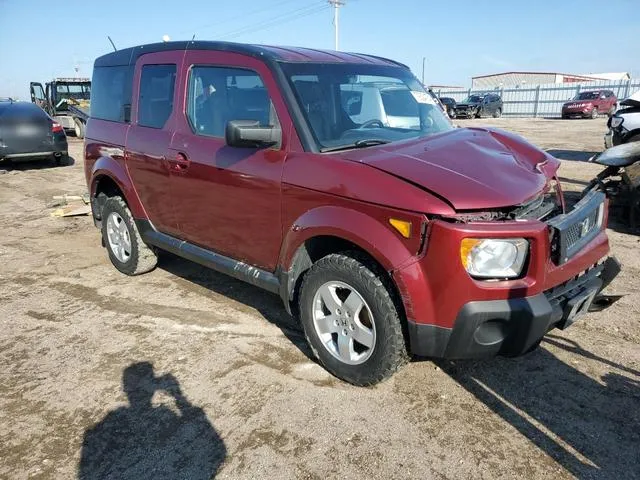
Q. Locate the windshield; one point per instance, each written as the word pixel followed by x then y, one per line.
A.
pixel 474 99
pixel 347 105
pixel 587 96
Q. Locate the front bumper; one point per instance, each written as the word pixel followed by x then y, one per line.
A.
pixel 465 113
pixel 613 138
pixel 575 112
pixel 512 326
pixel 559 255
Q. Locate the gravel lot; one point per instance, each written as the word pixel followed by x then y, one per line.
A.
pixel 187 371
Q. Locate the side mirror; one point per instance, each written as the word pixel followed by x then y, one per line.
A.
pixel 249 134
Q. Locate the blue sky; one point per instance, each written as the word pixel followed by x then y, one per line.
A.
pixel 460 39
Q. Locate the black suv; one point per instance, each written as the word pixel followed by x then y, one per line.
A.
pixel 477 106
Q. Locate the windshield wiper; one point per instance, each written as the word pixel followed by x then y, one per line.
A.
pixel 367 142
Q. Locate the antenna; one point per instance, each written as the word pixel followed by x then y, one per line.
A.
pixel 112 44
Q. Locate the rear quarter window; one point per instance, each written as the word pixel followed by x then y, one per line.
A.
pixel 110 87
pixel 155 104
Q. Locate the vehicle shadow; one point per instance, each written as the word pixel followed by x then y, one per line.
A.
pixel 572 155
pixel 266 303
pixel 589 426
pixel 143 440
pixel 37 164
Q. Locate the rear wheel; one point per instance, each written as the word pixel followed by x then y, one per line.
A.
pixel 60 159
pixel 613 109
pixel 497 113
pixel 350 319
pixel 594 112
pixel 120 236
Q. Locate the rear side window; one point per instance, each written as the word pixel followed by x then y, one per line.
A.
pixel 218 95
pixel 109 87
pixel 155 102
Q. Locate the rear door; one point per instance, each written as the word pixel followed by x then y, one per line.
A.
pixel 611 100
pixel 493 104
pixel 155 92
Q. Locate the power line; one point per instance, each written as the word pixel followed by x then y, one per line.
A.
pixel 278 20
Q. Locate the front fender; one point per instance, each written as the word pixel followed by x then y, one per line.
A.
pixel 373 235
pixel 376 238
pixel 109 167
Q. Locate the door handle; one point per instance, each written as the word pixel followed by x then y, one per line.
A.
pixel 180 163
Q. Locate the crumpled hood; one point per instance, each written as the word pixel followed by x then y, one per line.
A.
pixel 470 168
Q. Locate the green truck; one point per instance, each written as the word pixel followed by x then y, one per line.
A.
pixel 67 100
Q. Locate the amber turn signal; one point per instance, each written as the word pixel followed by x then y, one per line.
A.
pixel 402 226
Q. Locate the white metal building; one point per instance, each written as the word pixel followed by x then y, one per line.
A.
pixel 526 79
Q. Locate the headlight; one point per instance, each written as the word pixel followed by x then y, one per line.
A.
pixel 616 122
pixel 494 258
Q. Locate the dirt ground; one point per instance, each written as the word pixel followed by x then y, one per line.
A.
pixel 188 371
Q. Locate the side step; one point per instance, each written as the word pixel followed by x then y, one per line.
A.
pixel 228 266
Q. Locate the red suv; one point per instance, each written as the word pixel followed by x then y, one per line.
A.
pixel 420 237
pixel 590 104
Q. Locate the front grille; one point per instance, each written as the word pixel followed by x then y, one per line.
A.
pixel 578 230
pixel 570 232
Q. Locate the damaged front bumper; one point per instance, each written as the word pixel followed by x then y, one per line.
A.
pixel 513 326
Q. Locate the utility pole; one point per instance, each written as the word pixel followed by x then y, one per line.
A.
pixel 336 5
pixel 423 60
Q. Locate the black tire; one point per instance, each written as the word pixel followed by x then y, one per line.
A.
pixel 565 117
pixel 594 112
pixel 79 128
pixel 389 350
pixel 61 160
pixel 497 113
pixel 142 258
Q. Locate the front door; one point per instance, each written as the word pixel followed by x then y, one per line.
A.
pixel 229 199
pixel 38 97
pixel 147 152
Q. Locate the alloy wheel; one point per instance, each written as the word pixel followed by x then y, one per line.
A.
pixel 344 322
pixel 119 237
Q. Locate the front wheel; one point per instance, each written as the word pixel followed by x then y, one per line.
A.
pixel 497 113
pixel 78 128
pixel 350 319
